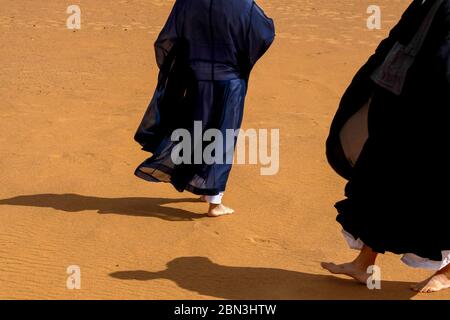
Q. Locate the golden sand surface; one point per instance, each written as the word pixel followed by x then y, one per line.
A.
pixel 70 104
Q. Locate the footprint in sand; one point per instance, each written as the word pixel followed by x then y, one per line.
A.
pixel 268 243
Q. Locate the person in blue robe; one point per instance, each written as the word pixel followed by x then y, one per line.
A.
pixel 205 53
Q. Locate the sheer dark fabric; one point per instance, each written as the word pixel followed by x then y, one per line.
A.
pixel 396 194
pixel 205 53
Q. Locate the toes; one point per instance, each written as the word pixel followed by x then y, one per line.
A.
pixel 220 210
pixel 419 287
pixel 415 287
pixel 432 288
pixel 425 287
pixel 327 265
pixel 331 267
pixel 427 290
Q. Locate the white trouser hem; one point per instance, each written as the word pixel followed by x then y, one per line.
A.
pixel 217 199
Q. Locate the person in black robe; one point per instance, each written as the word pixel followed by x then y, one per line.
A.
pixel 205 53
pixel 389 139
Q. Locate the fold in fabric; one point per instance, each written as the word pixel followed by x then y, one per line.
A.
pixel 205 52
pixel 394 199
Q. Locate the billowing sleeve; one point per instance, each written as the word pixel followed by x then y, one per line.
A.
pixel 363 75
pixel 168 35
pixel 261 33
pixel 362 86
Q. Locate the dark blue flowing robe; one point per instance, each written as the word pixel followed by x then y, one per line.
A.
pixel 397 198
pixel 205 53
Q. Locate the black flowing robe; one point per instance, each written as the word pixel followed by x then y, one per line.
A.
pixel 397 193
pixel 205 53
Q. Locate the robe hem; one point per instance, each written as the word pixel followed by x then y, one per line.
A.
pixel 197 191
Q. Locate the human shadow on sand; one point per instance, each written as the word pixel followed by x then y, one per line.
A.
pixel 139 207
pixel 201 275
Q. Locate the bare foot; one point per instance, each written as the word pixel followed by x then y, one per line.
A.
pixel 218 210
pixel 202 198
pixel 349 269
pixel 439 281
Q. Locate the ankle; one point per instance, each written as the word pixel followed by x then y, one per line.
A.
pixel 365 259
pixel 445 271
pixel 362 265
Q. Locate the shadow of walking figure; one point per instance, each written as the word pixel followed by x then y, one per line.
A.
pixel 139 207
pixel 201 275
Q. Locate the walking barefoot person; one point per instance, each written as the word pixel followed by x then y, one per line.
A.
pixel 205 53
pixel 389 139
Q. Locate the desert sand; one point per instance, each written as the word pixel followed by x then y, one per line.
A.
pixel 70 104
